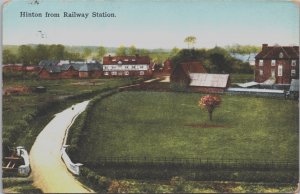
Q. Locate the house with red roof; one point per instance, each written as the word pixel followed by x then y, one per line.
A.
pixel 277 64
pixel 126 66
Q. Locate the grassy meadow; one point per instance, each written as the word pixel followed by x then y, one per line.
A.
pixel 25 114
pixel 161 124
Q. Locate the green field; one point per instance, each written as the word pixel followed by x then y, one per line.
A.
pixel 160 124
pixel 22 111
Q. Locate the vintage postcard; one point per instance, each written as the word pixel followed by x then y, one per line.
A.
pixel 150 96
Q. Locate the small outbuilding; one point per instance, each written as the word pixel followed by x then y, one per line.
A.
pixel 209 83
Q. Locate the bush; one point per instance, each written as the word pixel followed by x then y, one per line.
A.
pixel 178 184
pixel 93 180
pixel 118 187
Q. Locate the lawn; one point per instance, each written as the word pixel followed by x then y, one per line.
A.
pixel 162 124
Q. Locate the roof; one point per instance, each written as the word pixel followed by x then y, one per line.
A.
pixel 274 52
pixel 90 67
pixel 209 80
pixel 255 90
pixel 44 63
pixel 248 84
pixel 294 85
pixel 53 67
pixel 126 59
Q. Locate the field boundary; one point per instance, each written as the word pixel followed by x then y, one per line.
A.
pixel 194 163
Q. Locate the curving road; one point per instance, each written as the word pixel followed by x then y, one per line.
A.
pixel 48 170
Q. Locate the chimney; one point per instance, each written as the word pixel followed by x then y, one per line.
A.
pixel 264 46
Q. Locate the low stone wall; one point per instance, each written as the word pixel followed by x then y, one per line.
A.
pixel 24 169
pixel 74 168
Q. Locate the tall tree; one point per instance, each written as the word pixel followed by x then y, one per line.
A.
pixel 56 52
pixel 101 52
pixel 132 50
pixel 25 55
pixel 73 56
pixel 121 51
pixel 9 57
pixel 190 40
pixel 40 53
pixel 87 52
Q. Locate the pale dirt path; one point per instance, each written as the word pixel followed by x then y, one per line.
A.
pixel 48 170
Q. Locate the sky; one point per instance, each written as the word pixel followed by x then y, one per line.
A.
pixel 154 23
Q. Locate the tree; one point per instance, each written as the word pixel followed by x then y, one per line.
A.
pixel 190 40
pixel 132 50
pixel 40 53
pixel 101 52
pixel 219 60
pixel 121 51
pixel 25 54
pixel 144 52
pixel 174 51
pixel 87 52
pixel 56 52
pixel 209 103
pixel 9 57
pixel 73 56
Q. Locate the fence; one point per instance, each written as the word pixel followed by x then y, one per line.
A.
pixel 74 168
pixel 24 169
pixel 193 163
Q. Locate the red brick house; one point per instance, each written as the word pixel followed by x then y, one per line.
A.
pixel 126 66
pixel 278 63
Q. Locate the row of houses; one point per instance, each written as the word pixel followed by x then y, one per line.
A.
pixel 273 65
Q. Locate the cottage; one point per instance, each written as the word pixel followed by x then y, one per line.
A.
pixel 278 63
pixel 126 66
pixel 209 83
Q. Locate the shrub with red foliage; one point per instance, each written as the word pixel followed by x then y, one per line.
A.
pixel 210 102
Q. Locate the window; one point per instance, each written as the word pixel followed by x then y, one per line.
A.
pixel 293 72
pixel 273 73
pixel 261 72
pixel 142 73
pixel 114 73
pixel 293 62
pixel 126 67
pixel 273 62
pixel 125 59
pixel 280 70
pixel 126 73
pixel 106 73
pixel 261 62
pixel 133 59
pixel 133 66
pixel 113 60
pixel 119 62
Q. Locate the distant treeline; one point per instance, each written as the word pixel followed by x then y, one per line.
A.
pixel 216 60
